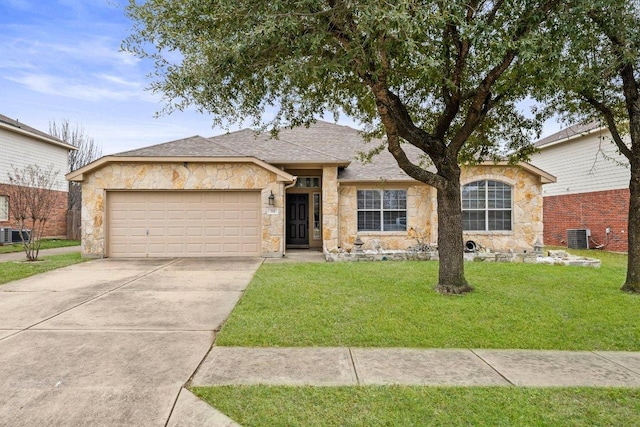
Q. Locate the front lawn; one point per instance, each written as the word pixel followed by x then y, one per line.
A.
pixel 393 304
pixel 46 244
pixel 15 270
pixel 424 406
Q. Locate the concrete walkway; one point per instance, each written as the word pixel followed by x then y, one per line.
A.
pixel 431 367
pixel 20 256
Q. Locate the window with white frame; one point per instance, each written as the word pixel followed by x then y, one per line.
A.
pixel 4 208
pixel 486 206
pixel 382 210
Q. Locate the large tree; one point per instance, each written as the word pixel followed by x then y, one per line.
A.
pixel 444 76
pixel 599 79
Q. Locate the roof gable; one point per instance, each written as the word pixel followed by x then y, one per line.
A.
pixel 12 125
pixel 569 133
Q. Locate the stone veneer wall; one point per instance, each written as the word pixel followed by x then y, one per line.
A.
pixel 330 208
pixel 175 176
pixel 527 208
pixel 422 216
pixel 421 201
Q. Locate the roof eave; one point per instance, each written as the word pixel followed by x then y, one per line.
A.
pixel 307 165
pixel 572 137
pixel 24 132
pixel 381 180
pixel 78 175
pixel 545 177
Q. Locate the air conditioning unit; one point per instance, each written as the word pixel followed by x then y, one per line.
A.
pixel 578 238
pixel 5 235
pixel 15 235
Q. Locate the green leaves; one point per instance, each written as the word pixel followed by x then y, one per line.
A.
pixel 239 59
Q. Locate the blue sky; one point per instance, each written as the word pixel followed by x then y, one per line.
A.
pixel 61 60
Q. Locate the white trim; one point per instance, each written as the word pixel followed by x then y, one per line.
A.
pixel 24 132
pixel 574 136
pixel 78 175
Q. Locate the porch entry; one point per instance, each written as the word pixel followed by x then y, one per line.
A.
pixel 298 220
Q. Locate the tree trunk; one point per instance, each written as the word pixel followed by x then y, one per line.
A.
pixel 632 282
pixel 451 279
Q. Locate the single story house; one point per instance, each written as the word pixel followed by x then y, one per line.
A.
pixel 245 193
pixel 589 203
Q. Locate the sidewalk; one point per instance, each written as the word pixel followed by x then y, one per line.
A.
pixel 20 256
pixel 432 367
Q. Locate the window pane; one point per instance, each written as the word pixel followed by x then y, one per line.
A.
pixel 369 221
pixel 368 199
pixel 499 195
pixel 473 220
pixel 4 208
pixel 499 220
pixel 473 195
pixel 395 221
pixel 395 199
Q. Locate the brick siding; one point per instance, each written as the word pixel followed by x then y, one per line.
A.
pixel 56 225
pixel 595 211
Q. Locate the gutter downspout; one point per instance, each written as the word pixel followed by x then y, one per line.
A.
pixel 284 215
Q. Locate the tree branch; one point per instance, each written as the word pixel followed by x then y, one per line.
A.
pixel 482 98
pixel 611 124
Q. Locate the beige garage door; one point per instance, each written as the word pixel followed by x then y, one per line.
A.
pixel 183 224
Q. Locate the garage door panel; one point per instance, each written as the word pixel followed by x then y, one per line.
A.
pixel 213 231
pixel 194 231
pixel 212 223
pixel 250 231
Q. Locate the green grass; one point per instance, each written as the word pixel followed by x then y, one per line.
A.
pixel 15 270
pixel 46 244
pixel 393 304
pixel 424 406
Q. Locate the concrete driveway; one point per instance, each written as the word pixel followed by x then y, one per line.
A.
pixel 111 342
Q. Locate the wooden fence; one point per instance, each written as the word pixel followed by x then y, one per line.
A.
pixel 73 224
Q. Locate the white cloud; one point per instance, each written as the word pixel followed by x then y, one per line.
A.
pixel 119 80
pixel 71 88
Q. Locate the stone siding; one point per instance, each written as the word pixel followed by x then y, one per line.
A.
pixel 420 221
pixel 527 208
pixel 422 216
pixel 176 176
pixel 330 208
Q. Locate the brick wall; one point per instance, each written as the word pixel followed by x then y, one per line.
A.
pixel 56 225
pixel 595 211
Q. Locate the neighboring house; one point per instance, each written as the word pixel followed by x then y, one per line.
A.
pixel 248 194
pixel 20 146
pixel 592 188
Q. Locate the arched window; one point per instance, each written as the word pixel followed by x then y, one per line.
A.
pixel 486 206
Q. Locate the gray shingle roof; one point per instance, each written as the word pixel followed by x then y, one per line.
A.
pixel 193 146
pixel 574 130
pixel 321 142
pixel 17 124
